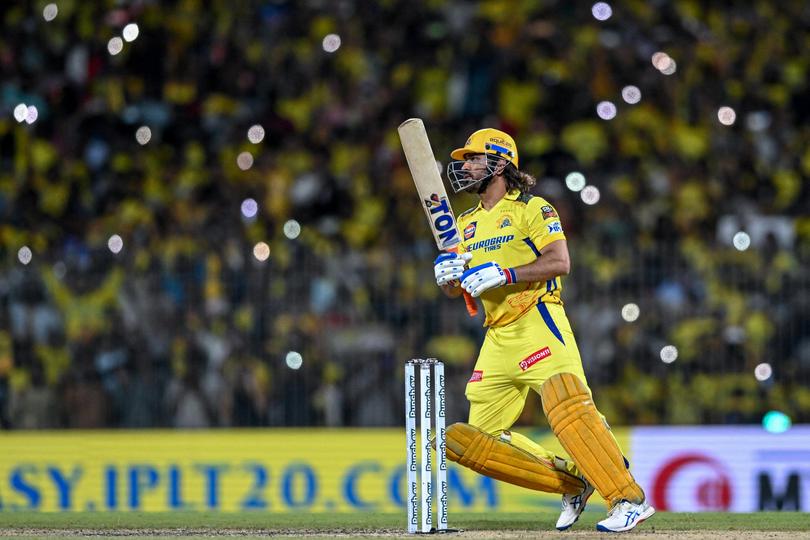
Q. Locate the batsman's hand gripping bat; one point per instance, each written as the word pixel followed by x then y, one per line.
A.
pixel 422 164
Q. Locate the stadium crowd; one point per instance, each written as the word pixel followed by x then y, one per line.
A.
pixel 185 326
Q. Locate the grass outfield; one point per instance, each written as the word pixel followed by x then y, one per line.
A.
pixel 772 525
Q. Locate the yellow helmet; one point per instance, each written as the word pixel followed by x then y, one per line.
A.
pixel 489 141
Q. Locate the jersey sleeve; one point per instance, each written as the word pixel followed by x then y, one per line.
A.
pixel 543 223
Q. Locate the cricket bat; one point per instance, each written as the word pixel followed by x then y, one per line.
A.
pixel 435 203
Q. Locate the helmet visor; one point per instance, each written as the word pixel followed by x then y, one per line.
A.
pixel 468 173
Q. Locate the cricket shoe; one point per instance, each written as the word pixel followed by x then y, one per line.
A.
pixel 572 507
pixel 624 516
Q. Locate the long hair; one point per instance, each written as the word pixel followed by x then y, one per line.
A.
pixel 516 179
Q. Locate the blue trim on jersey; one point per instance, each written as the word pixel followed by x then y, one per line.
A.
pixel 531 245
pixel 541 307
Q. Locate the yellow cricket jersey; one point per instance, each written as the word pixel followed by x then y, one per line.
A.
pixel 511 234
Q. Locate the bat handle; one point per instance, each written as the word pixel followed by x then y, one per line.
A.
pixel 472 306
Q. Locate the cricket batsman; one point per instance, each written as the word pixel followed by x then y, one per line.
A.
pixel 513 255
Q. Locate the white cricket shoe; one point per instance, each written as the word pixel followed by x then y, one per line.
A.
pixel 572 507
pixel 624 516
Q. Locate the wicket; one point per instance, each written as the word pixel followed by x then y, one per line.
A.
pixel 430 411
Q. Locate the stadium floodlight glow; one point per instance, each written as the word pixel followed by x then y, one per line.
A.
pixel 776 422
pixel 50 12
pixel 601 11
pixel 244 161
pixel 255 134
pixel 261 251
pixel 131 32
pixel 606 110
pixel 590 195
pixel 763 371
pixel 115 243
pixel 115 45
pixel 292 229
pixel 143 135
pixel 631 94
pixel 250 208
pixel 669 353
pixel 726 115
pixel 630 312
pixel 24 255
pixel 575 181
pixel 20 112
pixel 294 360
pixel 741 241
pixel 331 43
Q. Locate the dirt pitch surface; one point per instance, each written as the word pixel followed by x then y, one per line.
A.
pixel 175 533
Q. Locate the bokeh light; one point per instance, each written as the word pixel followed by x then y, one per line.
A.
pixel 20 112
pixel 255 134
pixel 294 360
pixel 292 229
pixel 261 251
pixel 250 208
pixel 669 353
pixel 31 114
pixel 575 181
pixel 331 43
pixel 660 60
pixel 244 161
pixel 143 135
pixel 741 241
pixel 601 11
pixel 671 67
pixel 49 12
pixel 115 45
pixel 630 312
pixel 131 32
pixel 24 255
pixel 606 110
pixel 776 422
pixel 763 371
pixel 726 115
pixel 590 195
pixel 631 94
pixel 115 243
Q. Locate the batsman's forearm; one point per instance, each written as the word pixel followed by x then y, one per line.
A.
pixel 542 269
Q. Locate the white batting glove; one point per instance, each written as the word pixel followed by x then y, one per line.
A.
pixel 449 266
pixel 486 276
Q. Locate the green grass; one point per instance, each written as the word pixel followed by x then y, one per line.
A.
pixel 662 521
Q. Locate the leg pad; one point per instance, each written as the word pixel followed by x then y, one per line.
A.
pixel 477 450
pixel 586 437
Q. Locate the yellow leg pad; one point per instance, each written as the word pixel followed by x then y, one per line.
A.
pixel 586 437
pixel 477 450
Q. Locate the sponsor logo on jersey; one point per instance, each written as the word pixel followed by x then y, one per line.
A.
pixel 491 244
pixel 477 376
pixel 533 358
pixel 469 230
pixel 548 212
pixel 554 227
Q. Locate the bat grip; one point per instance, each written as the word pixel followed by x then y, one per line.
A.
pixel 472 306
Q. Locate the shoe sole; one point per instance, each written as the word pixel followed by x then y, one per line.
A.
pixel 646 515
pixel 582 509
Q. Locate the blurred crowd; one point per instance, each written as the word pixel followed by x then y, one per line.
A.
pixel 187 325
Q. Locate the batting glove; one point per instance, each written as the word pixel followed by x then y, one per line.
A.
pixel 486 276
pixel 449 266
